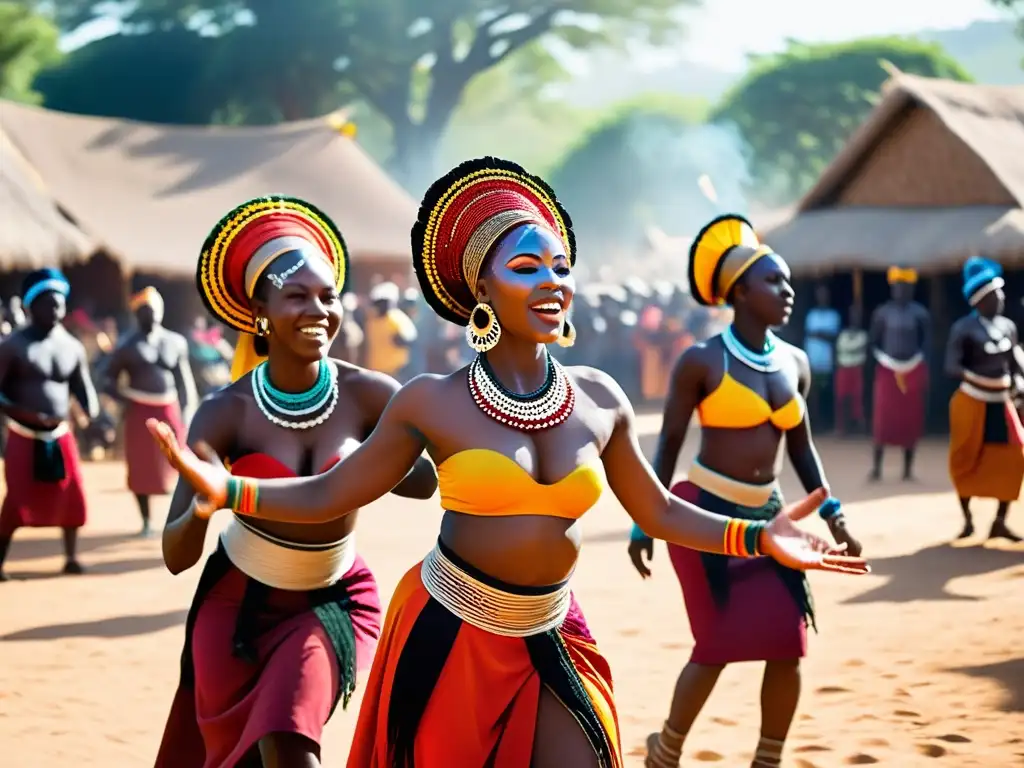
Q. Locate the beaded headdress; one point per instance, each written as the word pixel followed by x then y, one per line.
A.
pixel 901 275
pixel 40 281
pixel 981 277
pixel 241 247
pixel 464 214
pixel 722 251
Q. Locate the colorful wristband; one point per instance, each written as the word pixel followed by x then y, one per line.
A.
pixel 636 533
pixel 742 538
pixel 243 495
pixel 831 508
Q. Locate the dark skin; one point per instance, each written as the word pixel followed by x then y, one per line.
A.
pixel 900 328
pixel 972 349
pixel 762 299
pixel 42 367
pixel 528 268
pixel 155 361
pixel 230 421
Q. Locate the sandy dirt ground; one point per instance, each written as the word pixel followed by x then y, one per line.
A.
pixel 919 664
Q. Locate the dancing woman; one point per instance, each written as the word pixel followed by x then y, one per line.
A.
pixel 285 613
pixel 748 389
pixel 485 658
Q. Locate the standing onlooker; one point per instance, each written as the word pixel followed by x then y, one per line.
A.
pixel 389 332
pixel 851 357
pixel 821 329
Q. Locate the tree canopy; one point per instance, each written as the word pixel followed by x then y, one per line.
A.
pixel 410 61
pixel 28 43
pixel 796 109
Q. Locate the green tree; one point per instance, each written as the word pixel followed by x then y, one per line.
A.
pixel 28 43
pixel 411 61
pixel 639 167
pixel 797 108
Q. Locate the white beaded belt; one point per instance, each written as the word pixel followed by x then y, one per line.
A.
pixel 984 395
pixel 283 564
pixel 489 608
pixel 149 398
pixel 35 434
pixel 735 491
pixel 898 366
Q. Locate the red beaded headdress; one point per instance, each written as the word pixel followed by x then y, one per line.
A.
pixel 464 214
pixel 220 275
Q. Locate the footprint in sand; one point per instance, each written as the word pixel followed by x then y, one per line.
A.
pixel 832 689
pixel 955 738
pixel 902 693
pixel 875 743
pixel 673 646
pixel 804 717
pixel 708 756
pixel 629 632
pixel 851 663
pixel 723 721
pixel 806 748
pixel 906 713
pixel 862 758
pixel 931 750
pixel 801 763
pixel 889 676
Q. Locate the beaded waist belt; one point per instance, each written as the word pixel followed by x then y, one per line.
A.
pixel 35 434
pixel 735 491
pixel 898 366
pixel 149 398
pixel 985 395
pixel 283 564
pixel 489 608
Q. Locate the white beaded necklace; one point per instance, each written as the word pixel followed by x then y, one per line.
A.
pixel 265 403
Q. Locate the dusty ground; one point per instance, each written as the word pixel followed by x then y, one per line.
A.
pixel 921 663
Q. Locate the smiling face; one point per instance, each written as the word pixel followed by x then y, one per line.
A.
pixel 305 311
pixel 764 291
pixel 527 282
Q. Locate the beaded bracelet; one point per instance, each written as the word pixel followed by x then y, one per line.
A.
pixel 743 537
pixel 636 533
pixel 830 509
pixel 243 495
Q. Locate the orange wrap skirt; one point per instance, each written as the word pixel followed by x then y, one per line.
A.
pixel 443 693
pixel 986 457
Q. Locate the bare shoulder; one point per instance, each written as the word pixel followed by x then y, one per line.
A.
pixel 961 325
pixel 599 386
pixel 365 381
pixel 921 310
pixel 794 352
pixel 178 340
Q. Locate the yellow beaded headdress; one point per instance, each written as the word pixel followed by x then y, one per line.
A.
pixel 901 275
pixel 464 214
pixel 722 251
pixel 241 247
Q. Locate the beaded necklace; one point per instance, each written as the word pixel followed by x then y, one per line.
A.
pixel 766 361
pixel 321 398
pixel 545 407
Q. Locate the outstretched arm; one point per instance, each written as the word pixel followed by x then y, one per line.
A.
pixel 373 469
pixel 375 392
pixel 668 517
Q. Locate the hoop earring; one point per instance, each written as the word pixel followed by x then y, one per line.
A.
pixel 483 330
pixel 568 336
pixel 262 326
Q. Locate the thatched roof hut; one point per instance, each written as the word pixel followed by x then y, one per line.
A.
pixel 935 174
pixel 149 194
pixel 33 231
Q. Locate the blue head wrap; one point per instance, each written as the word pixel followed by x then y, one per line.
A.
pixel 41 281
pixel 981 276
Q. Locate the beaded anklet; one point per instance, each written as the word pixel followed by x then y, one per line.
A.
pixel 742 538
pixel 243 495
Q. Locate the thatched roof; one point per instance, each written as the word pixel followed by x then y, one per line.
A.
pixel 150 193
pixel 33 233
pixel 935 174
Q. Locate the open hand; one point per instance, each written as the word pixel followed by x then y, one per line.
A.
pixel 639 550
pixel 786 543
pixel 206 473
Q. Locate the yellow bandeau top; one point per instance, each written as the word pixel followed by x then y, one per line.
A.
pixel 732 405
pixel 479 481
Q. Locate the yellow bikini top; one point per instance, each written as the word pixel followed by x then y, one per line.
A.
pixel 733 405
pixel 479 481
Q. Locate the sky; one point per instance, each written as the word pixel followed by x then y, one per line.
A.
pixel 722 32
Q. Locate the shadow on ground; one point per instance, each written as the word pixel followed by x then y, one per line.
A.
pixel 120 626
